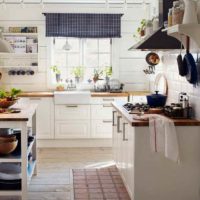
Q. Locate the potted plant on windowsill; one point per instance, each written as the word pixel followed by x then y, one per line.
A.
pixel 97 74
pixel 78 73
pixel 57 73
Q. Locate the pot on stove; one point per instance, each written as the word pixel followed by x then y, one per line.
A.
pixel 156 100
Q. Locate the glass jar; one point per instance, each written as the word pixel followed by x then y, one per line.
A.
pixel 149 27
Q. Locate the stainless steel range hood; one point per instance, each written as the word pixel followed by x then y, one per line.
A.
pixel 159 40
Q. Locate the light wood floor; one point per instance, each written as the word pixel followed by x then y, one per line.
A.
pixel 54 181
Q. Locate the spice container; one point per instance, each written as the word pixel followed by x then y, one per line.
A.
pixel 177 13
pixel 170 17
pixel 149 27
pixel 155 23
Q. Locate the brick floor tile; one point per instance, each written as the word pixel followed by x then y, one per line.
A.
pixel 110 195
pixel 95 185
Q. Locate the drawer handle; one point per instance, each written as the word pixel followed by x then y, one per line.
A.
pixel 118 124
pixel 72 106
pixel 107 106
pixel 107 121
pixel 108 99
pixel 124 132
pixel 113 121
pixel 35 99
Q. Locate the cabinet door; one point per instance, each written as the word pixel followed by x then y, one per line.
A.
pixel 103 112
pixel 72 112
pixel 44 117
pixel 72 129
pixel 130 160
pixel 101 128
pixel 114 135
pixel 119 161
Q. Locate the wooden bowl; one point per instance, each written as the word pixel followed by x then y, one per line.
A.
pixel 4 103
pixel 7 138
pixel 8 147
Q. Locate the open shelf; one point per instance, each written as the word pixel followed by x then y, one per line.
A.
pixel 191 30
pixel 20 34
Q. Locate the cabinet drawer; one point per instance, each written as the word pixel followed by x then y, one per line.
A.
pixel 70 112
pixel 101 111
pixel 101 128
pixel 72 129
pixel 106 100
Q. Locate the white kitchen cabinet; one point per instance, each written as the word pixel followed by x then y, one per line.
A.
pixel 72 121
pixel 101 116
pixel 102 111
pixel 123 151
pixel 44 117
pixel 72 112
pixel 101 128
pixel 72 129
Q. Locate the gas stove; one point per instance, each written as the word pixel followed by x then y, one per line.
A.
pixel 138 107
pixel 174 110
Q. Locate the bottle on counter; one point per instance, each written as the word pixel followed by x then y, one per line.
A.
pixel 170 17
pixel 155 23
pixel 149 27
pixel 177 13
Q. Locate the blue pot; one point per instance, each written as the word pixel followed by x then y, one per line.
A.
pixel 156 100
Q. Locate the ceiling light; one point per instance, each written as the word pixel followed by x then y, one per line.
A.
pixel 107 4
pixel 22 4
pixel 42 4
pixel 125 5
pixel 66 46
pixel 3 4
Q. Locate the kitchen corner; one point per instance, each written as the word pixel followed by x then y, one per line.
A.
pixel 99 100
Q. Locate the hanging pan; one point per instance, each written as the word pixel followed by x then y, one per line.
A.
pixel 190 64
pixel 181 67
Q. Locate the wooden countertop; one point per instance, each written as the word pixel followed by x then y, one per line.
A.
pixel 27 111
pixel 37 94
pixel 129 117
pixel 108 94
pixel 93 94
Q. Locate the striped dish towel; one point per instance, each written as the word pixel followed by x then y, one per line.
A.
pixel 163 137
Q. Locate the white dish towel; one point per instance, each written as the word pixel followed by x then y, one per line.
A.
pixel 163 137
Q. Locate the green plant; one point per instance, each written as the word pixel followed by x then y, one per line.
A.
pixel 108 71
pixel 97 74
pixel 9 95
pixel 78 71
pixel 140 28
pixel 55 69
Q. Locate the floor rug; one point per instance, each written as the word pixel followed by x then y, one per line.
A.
pixel 99 184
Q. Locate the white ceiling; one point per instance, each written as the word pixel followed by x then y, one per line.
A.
pixel 76 1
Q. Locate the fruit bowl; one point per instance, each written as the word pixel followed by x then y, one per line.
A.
pixel 7 147
pixel 6 103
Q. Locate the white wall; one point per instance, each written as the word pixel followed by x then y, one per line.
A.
pixel 178 84
pixel 128 66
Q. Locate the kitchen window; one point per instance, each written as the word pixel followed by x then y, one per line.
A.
pixel 91 54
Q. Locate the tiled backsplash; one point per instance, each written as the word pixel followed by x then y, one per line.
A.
pixel 178 84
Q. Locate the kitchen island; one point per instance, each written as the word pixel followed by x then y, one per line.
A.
pixel 25 121
pixel 149 175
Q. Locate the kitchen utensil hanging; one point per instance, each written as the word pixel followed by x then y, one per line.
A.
pixel 152 59
pixel 198 68
pixel 190 64
pixel 181 67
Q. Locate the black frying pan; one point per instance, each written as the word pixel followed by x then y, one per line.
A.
pixel 182 68
pixel 189 63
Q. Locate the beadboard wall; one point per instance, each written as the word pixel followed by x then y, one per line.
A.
pixel 177 84
pixel 127 66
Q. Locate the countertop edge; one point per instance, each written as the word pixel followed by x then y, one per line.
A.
pixel 93 94
pixel 139 123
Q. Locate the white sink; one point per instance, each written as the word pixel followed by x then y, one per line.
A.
pixel 72 97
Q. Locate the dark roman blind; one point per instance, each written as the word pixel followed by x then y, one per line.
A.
pixel 83 25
